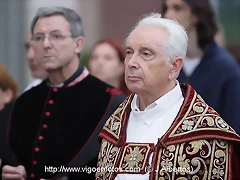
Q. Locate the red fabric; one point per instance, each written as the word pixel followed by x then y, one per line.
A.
pixel 234 173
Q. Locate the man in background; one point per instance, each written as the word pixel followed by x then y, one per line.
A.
pixel 56 124
pixel 211 70
pixel 35 67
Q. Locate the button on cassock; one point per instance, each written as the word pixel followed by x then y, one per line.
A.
pixel 40 138
pixel 50 102
pixel 45 126
pixel 48 113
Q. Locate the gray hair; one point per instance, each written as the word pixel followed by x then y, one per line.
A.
pixel 75 21
pixel 177 41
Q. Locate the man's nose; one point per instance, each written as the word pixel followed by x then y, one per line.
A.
pixel 133 62
pixel 46 42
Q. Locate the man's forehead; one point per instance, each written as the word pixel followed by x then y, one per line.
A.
pixel 134 37
pixel 57 17
pixel 145 37
pixel 52 23
pixel 150 31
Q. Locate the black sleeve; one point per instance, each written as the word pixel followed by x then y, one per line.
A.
pixel 4 121
pixel 93 148
pixel 5 153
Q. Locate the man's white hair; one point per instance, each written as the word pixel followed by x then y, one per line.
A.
pixel 177 41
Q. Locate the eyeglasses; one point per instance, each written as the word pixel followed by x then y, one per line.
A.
pixel 53 38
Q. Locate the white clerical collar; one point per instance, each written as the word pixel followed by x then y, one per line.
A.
pixel 157 108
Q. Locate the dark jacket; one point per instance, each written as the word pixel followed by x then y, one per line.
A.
pixel 217 80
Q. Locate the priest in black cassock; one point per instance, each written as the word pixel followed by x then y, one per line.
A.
pixel 55 125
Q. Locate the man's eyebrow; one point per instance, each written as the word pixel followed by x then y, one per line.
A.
pixel 55 31
pixel 127 47
pixel 147 47
pixel 50 32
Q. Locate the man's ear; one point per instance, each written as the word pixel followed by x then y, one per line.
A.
pixel 176 66
pixel 79 44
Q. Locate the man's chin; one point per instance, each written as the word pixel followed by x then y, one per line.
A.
pixel 49 68
pixel 39 75
pixel 134 88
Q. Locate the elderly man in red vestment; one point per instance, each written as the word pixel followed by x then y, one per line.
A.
pixel 165 130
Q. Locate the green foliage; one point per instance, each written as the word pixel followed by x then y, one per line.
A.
pixel 85 58
pixel 229 12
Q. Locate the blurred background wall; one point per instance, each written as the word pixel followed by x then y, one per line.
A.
pixel 101 19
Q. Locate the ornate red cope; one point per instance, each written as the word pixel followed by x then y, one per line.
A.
pixel 198 145
pixel 134 158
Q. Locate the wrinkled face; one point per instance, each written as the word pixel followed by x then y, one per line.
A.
pixel 35 67
pixel 181 11
pixel 104 63
pixel 54 47
pixel 146 65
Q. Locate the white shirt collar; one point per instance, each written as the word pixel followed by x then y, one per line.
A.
pixel 157 108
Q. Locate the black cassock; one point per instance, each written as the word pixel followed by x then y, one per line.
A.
pixel 55 128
